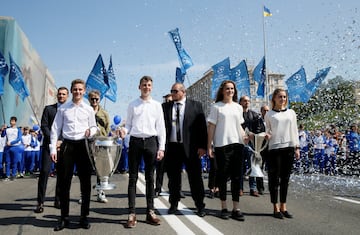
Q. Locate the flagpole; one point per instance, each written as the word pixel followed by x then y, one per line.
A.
pixel 267 83
pixel 32 108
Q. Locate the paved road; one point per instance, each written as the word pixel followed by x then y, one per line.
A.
pixel 321 205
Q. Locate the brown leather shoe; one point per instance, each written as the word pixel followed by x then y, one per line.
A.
pixel 254 193
pixel 152 219
pixel 131 223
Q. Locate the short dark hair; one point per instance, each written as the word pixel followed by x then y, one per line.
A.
pixel 145 78
pixel 13 118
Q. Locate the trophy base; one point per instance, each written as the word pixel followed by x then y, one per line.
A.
pixel 108 186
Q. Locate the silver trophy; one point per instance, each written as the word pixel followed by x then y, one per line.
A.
pixel 256 159
pixel 104 153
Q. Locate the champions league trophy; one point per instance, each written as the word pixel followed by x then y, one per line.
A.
pixel 104 153
pixel 256 159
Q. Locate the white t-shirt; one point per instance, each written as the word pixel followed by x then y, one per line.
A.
pixel 283 129
pixel 227 118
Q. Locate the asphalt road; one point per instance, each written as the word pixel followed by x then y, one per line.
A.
pixel 320 205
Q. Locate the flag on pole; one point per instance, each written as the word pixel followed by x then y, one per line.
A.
pixel 240 76
pixel 314 84
pixel 180 76
pixel 296 85
pixel 221 73
pixel 4 69
pixel 16 80
pixel 259 75
pixel 98 78
pixel 185 59
pixel 267 12
pixel 111 93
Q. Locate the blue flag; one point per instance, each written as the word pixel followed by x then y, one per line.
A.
pixel 185 59
pixel 259 75
pixel 221 73
pixel 4 69
pixel 16 80
pixel 98 78
pixel 296 85
pixel 111 93
pixel 180 76
pixel 314 84
pixel 240 76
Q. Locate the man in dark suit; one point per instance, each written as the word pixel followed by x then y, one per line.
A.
pixel 186 142
pixel 46 122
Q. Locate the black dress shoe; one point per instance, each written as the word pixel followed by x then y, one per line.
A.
pixel 39 208
pixel 63 223
pixel 173 209
pixel 201 212
pixel 286 214
pixel 278 215
pixel 84 223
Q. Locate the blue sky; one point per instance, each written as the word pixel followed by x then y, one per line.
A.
pixel 69 35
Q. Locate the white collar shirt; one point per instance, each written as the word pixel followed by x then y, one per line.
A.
pixel 71 122
pixel 145 118
pixel 181 104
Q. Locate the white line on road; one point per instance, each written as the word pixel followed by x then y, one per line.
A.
pixel 174 222
pixel 347 200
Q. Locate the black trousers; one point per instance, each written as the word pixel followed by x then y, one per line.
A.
pixel 229 160
pixel 74 152
pixel 175 158
pixel 280 163
pixel 44 176
pixel 138 148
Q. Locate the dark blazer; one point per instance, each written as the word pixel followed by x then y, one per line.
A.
pixel 47 120
pixel 194 126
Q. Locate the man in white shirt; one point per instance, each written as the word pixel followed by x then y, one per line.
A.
pixel 74 122
pixel 145 125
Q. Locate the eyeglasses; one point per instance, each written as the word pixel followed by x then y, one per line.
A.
pixel 174 91
pixel 94 99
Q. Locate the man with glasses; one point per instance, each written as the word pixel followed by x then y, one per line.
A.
pixel 186 143
pixel 103 123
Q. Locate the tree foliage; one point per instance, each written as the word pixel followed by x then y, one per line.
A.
pixel 333 103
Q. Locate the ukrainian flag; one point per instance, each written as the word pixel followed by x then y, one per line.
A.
pixel 267 12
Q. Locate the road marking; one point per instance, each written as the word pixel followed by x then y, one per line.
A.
pixel 176 223
pixel 347 200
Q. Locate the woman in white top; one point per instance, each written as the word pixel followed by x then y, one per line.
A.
pixel 282 133
pixel 227 137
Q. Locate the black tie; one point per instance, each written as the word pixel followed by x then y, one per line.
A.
pixel 178 134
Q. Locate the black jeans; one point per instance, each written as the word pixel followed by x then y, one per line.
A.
pixel 229 160
pixel 138 148
pixel 280 163
pixel 74 152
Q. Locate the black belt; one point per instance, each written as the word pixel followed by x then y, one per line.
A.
pixel 142 138
pixel 68 141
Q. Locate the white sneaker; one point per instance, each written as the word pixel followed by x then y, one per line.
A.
pixel 101 197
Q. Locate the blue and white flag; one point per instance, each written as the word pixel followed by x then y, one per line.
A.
pixel 259 75
pixel 296 85
pixel 221 73
pixel 98 78
pixel 111 93
pixel 4 69
pixel 16 80
pixel 314 84
pixel 240 76
pixel 180 76
pixel 185 59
